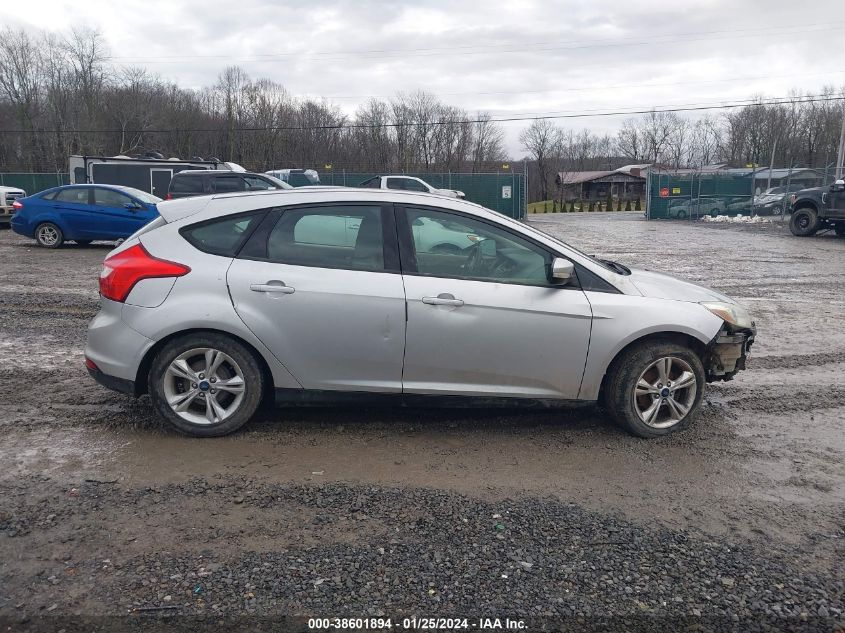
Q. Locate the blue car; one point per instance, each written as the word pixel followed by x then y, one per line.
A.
pixel 83 213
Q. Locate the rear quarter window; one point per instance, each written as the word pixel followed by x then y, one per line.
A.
pixel 186 184
pixel 222 236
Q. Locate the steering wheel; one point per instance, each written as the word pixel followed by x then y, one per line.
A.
pixel 473 261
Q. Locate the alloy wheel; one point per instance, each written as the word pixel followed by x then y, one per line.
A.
pixel 48 235
pixel 665 392
pixel 204 386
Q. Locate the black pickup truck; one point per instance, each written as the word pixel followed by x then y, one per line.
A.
pixel 818 209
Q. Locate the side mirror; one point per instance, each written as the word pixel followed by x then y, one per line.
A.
pixel 131 206
pixel 563 270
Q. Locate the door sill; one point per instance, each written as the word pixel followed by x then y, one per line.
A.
pixel 314 397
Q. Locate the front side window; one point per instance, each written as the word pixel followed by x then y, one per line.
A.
pixel 75 195
pixel 332 236
pixel 222 236
pixel 110 198
pixel 455 246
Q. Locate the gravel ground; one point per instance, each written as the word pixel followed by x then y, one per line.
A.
pixel 559 517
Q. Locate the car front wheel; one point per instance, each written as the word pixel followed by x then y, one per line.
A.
pixel 49 235
pixel 804 222
pixel 655 388
pixel 205 385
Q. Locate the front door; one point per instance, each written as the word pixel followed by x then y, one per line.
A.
pixel 836 207
pixel 485 319
pixel 117 215
pixel 160 181
pixel 320 286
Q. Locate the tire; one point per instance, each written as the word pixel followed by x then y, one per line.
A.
pixel 49 235
pixel 83 242
pixel 675 409
pixel 839 229
pixel 682 215
pixel 804 222
pixel 198 416
pixel 714 213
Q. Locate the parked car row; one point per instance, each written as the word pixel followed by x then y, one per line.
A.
pixel 84 213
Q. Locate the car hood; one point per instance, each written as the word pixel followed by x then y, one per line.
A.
pixel 662 286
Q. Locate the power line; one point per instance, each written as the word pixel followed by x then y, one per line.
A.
pixel 341 126
pixel 656 39
pixel 599 87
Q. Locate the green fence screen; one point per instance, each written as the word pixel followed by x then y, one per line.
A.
pixel 33 183
pixel 502 192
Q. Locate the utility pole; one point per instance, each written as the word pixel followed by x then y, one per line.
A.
pixel 840 157
pixel 772 163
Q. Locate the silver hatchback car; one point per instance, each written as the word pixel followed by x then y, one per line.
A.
pixel 351 295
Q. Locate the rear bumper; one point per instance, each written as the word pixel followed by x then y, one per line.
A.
pixel 112 382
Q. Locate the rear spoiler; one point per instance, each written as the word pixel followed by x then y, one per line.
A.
pixel 175 210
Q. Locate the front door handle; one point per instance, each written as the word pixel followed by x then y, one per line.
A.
pixel 443 299
pixel 273 286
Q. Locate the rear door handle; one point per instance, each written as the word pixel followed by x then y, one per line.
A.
pixel 443 299
pixel 273 286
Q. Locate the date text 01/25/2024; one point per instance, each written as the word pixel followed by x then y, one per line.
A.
pixel 417 623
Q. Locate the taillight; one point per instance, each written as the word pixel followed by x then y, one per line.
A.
pixel 169 196
pixel 122 271
pixel 90 364
pixel 17 204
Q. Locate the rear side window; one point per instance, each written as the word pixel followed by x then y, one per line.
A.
pixel 329 237
pixel 76 195
pixel 186 184
pixel 226 184
pixel 222 236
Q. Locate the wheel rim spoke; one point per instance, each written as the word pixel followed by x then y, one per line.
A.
pixel 664 366
pixel 213 411
pixel 182 401
pixel 180 369
pixel 650 414
pixel 213 358
pixel 232 385
pixel 645 388
pixel 678 410
pixel 685 380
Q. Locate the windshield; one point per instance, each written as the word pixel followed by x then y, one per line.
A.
pixel 143 196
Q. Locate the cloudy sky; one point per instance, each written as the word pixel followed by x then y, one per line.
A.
pixel 508 58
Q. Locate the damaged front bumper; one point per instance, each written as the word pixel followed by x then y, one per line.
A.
pixel 727 353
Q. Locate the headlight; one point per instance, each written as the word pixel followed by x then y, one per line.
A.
pixel 730 312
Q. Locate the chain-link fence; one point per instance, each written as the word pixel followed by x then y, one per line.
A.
pixel 694 194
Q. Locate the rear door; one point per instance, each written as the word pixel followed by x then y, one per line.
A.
pixel 77 214
pixel 485 319
pixel 320 286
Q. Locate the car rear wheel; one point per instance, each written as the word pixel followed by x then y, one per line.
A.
pixel 655 388
pixel 49 235
pixel 839 229
pixel 205 385
pixel 804 222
